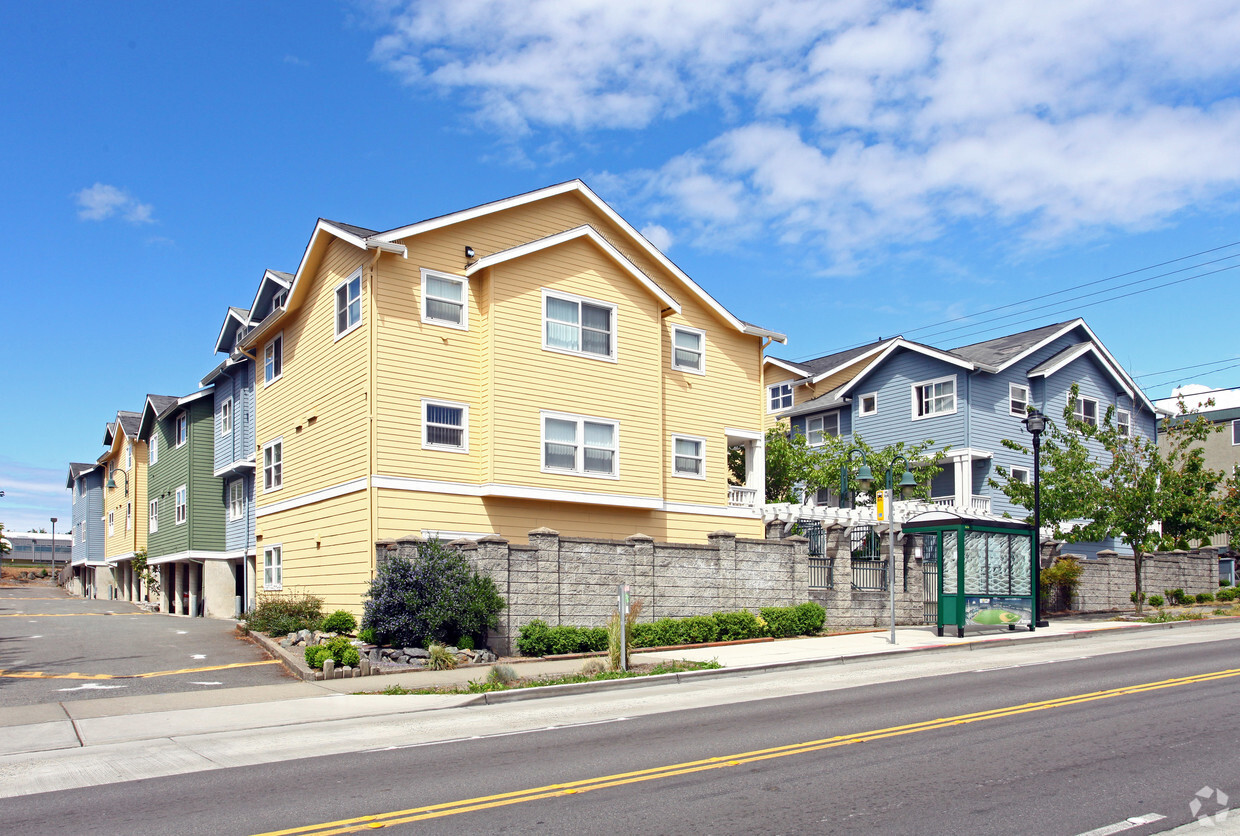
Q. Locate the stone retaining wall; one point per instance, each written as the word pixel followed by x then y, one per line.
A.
pixel 1108 582
pixel 564 580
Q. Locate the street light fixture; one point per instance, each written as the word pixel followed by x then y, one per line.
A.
pixel 53 546
pixel 887 509
pixel 1035 423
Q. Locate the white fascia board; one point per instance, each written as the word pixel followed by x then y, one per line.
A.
pixel 268 276
pixel 969 453
pixel 749 435
pixel 786 366
pixel 1092 348
pixel 235 467
pixel 342 489
pixel 112 561
pixel 824 375
pixel 758 331
pixel 192 555
pixel 1118 369
pixel 201 393
pixel 585 191
pixel 892 347
pixel 232 314
pixel 403 483
pixel 585 231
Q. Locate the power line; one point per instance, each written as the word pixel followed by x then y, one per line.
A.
pixel 1183 368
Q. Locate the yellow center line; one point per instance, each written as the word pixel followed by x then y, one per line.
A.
pixel 151 675
pixel 353 825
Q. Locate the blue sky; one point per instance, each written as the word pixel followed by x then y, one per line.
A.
pixel 837 171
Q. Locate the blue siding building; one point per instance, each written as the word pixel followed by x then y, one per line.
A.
pixel 968 400
pixel 233 381
pixel 91 575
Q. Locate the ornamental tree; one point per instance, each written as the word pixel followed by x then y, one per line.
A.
pixel 794 467
pixel 1100 481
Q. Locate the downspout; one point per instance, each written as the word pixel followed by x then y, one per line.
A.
pixel 372 408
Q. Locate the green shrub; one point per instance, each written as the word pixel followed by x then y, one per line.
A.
pixel 1156 600
pixel 566 639
pixel 734 626
pixel 1177 597
pixel 781 621
pixel 1133 596
pixel 1228 594
pixel 367 634
pixel 1224 582
pixel 1064 572
pixel 465 643
pixel 433 597
pixel 812 616
pixel 666 632
pixel 440 659
pixel 343 651
pixel 643 634
pixel 284 613
pixel 534 638
pixel 1205 598
pixel 502 675
pixel 595 639
pixel 341 621
pixel 698 629
pixel 315 654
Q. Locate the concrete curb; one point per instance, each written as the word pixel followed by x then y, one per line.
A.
pixel 294 667
pixel 685 677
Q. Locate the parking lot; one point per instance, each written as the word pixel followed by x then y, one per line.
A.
pixel 55 647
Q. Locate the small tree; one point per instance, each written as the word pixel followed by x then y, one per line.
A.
pixel 1100 481
pixel 433 596
pixel 793 466
pixel 5 545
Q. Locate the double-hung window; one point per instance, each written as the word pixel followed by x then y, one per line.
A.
pixel 443 299
pixel 934 397
pixel 584 446
pixel 1020 474
pixel 129 457
pixel 576 325
pixel 688 349
pixel 128 516
pixel 779 396
pixel 236 499
pixel 1018 399
pixel 226 417
pixel 445 426
pixel 1235 432
pixel 273 567
pixel 1123 422
pixel 820 426
pixel 1086 410
pixel 273 359
pixel 152 516
pixel 152 450
pixel 111 523
pixel 181 425
pixel 349 304
pixel 273 465
pixel 182 507
pixel 689 456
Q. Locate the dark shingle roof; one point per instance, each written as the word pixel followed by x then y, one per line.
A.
pixel 360 231
pixel 162 403
pixel 76 469
pixel 288 277
pixel 832 361
pixel 998 351
pixel 130 421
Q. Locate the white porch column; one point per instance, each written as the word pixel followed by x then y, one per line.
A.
pixel 964 481
pixel 195 579
pixel 178 589
pixel 757 477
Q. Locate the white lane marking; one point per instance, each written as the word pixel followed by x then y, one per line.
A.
pixel 500 734
pixel 36 637
pixel 92 686
pixel 181 632
pixel 198 656
pixel 1126 824
pixel 206 683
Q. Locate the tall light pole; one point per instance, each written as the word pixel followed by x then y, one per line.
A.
pixel 1035 423
pixel 887 509
pixel 53 546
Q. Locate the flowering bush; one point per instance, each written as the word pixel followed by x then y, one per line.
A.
pixel 435 596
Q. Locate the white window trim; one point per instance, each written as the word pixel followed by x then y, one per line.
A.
pixel 129 516
pixel 464 407
pixel 578 470
pixel 1123 413
pixel 921 383
pixel 177 438
pixel 701 351
pixel 1012 396
pixel 861 410
pixel 226 418
pixel 822 418
pixel 1080 408
pixel 463 325
pixel 277 581
pixel 1018 469
pixel 361 306
pixel 111 523
pixel 701 459
pixel 263 464
pixel 270 345
pixel 1234 425
pixel 181 508
pixel 791 397
pixel 152 447
pixel 129 456
pixel 236 486
pixel 572 297
pixel 152 516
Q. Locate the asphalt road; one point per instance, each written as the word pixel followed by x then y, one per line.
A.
pixel 857 761
pixel 55 647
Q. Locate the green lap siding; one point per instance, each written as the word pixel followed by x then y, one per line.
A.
pixel 191 465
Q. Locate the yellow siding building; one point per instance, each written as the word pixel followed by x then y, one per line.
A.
pixel 124 491
pixel 531 362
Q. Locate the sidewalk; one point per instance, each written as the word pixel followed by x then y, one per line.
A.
pixel 86 723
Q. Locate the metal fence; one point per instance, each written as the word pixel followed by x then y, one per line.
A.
pixel 869 575
pixel 821 572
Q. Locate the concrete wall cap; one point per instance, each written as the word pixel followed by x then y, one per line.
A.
pixel 796 538
pixel 410 538
pixel 544 532
pixel 639 538
pixel 1108 553
pixel 720 533
pixel 491 538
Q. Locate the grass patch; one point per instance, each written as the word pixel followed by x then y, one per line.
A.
pixel 480 686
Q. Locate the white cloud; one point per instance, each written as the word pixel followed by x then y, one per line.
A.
pixel 102 201
pixel 862 123
pixel 659 236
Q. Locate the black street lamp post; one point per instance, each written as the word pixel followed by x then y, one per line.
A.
pixel 1035 423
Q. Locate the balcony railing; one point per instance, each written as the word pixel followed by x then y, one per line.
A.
pixel 739 497
pixel 976 503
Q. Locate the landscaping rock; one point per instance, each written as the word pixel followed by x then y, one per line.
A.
pixel 364 666
pixel 418 652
